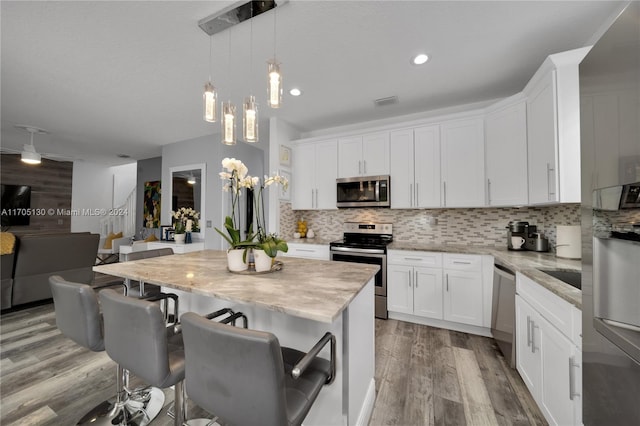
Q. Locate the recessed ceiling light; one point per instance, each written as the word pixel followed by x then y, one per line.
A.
pixel 295 92
pixel 420 59
pixel 123 156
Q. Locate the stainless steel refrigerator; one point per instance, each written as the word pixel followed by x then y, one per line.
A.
pixel 610 149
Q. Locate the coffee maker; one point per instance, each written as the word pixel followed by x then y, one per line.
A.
pixel 526 237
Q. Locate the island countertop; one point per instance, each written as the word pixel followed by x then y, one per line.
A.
pixel 314 289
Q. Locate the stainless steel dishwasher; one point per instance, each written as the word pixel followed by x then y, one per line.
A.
pixel 503 314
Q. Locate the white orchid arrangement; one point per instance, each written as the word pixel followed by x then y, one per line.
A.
pixel 186 219
pixel 236 177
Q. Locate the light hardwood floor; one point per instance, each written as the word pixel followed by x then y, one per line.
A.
pixel 424 376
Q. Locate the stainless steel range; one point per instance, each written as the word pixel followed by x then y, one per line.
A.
pixel 367 243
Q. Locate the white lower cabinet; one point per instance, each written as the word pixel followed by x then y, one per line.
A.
pixel 547 359
pixel 308 251
pixel 448 288
pixel 463 296
pixel 415 290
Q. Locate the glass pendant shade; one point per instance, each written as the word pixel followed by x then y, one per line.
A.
pixel 210 103
pixel 274 89
pixel 228 123
pixel 250 120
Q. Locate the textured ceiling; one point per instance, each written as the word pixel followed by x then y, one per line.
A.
pixel 126 77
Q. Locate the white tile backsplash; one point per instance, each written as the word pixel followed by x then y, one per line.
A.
pixel 481 226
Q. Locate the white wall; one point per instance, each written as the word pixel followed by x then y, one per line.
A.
pixel 95 186
pixel 208 150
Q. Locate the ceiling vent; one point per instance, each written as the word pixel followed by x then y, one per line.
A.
pixel 391 100
pixel 236 13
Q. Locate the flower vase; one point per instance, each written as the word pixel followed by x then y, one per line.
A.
pixel 179 238
pixel 262 261
pixel 187 238
pixel 235 261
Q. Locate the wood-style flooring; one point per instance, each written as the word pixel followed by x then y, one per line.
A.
pixel 424 376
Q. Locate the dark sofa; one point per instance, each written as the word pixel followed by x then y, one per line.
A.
pixel 37 257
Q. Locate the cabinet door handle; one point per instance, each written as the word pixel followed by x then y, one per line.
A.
pixel 572 378
pixel 359 167
pixel 417 193
pixel 489 191
pixel 413 258
pixel 317 199
pixel 446 277
pixel 459 262
pixel 533 336
pixel 415 278
pixel 410 278
pixel 411 194
pixel 365 166
pixel 444 187
pixel 549 171
pixel 528 330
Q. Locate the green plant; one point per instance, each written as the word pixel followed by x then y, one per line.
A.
pixel 236 178
pixel 271 244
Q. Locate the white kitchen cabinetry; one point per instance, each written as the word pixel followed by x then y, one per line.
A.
pixel 553 130
pixel 415 167
pixel 315 171
pixel 462 162
pixel 366 155
pixel 506 154
pixel 463 289
pixel 308 251
pixel 442 290
pixel 548 357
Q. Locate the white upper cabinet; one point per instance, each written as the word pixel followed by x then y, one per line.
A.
pixel 553 130
pixel 462 161
pixel 506 155
pixel 315 171
pixel 366 155
pixel 415 167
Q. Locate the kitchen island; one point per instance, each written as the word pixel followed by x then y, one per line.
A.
pixel 298 304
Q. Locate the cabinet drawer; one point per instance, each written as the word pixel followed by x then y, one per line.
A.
pixel 555 310
pixel 414 258
pixel 462 262
pixel 308 251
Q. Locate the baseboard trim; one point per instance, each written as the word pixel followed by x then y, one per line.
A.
pixel 367 405
pixel 471 329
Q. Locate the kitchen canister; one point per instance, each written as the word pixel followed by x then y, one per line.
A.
pixel 568 241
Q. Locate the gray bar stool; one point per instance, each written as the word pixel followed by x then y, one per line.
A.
pixel 245 378
pixel 79 318
pixel 136 337
pixel 144 289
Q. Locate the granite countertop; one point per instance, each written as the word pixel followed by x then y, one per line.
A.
pixel 525 262
pixel 314 289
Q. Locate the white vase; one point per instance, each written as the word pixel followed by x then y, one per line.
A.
pixel 179 238
pixel 235 263
pixel 262 261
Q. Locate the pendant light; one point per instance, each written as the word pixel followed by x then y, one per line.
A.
pixel 210 97
pixel 249 106
pixel 274 86
pixel 228 120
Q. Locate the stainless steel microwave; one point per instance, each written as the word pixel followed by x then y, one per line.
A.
pixel 369 191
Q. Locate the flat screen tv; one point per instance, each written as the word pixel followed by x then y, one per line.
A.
pixel 16 203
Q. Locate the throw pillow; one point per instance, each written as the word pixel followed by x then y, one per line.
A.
pixel 108 242
pixel 151 237
pixel 7 242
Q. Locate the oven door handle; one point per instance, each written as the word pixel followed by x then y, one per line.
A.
pixel 357 251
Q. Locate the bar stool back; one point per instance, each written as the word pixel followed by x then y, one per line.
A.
pixel 245 378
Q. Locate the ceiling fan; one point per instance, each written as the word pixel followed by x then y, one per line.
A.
pixel 29 154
